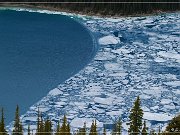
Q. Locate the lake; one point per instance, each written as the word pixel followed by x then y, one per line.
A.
pixel 38 52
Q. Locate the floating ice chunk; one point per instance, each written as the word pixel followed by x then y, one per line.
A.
pixel 79 122
pixel 119 74
pixel 106 101
pixel 115 113
pixel 89 22
pixel 173 83
pixel 172 55
pixel 80 105
pixel 109 40
pixel 125 81
pixel 156 91
pixel 105 56
pixel 100 111
pixel 145 109
pixel 166 101
pixel 156 116
pixel 177 92
pixel 143 96
pixel 112 66
pixel 170 106
pixel 60 104
pixel 55 92
pixel 159 59
pixel 44 109
pixel 121 51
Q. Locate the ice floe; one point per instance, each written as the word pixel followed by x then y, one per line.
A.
pixel 109 40
pixel 157 116
pixel 55 92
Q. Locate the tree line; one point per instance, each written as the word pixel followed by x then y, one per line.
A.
pixel 136 125
pixel 127 7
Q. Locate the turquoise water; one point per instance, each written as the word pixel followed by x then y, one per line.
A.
pixel 38 52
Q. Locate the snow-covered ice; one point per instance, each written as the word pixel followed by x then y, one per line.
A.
pixel 108 40
pixel 55 92
pixel 157 117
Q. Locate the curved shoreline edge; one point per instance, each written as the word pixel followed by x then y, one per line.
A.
pixel 74 17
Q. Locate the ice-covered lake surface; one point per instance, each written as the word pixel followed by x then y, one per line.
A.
pixel 137 56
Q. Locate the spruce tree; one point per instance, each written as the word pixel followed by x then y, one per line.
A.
pixel 38 123
pixel 17 130
pixel 2 124
pixel 82 131
pixel 65 128
pixel 145 129
pixel 58 129
pixel 117 127
pixel 104 131
pixel 41 126
pixel 136 115
pixel 29 130
pixel 174 125
pixel 64 125
pixel 48 127
pixel 68 129
pixel 93 130
pixel 159 131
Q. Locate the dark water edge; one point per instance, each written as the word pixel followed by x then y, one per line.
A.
pixel 38 52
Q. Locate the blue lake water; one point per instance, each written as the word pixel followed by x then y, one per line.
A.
pixel 38 52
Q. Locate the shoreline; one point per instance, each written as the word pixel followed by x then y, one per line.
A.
pixel 116 16
pixel 94 45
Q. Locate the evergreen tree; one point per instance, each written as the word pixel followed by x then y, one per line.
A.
pixel 104 131
pixel 68 129
pixel 58 129
pixel 93 130
pixel 2 124
pixel 82 131
pixel 65 128
pixel 145 129
pixel 38 123
pixel 159 132
pixel 29 130
pixel 174 125
pixel 48 127
pixel 41 126
pixel 17 124
pixel 117 127
pixel 64 125
pixel 136 115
